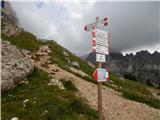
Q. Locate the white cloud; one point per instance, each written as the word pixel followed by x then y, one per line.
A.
pixel 64 21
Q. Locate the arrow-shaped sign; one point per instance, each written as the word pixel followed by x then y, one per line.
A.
pixel 98 24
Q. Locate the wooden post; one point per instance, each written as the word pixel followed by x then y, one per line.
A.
pixel 100 96
pixel 101 117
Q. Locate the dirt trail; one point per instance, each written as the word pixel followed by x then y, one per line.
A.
pixel 115 107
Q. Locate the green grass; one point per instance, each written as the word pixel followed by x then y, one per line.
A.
pixel 134 91
pixel 69 85
pixel 24 40
pixel 59 104
pixel 146 99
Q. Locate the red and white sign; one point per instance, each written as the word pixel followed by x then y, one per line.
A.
pixel 99 24
pixel 101 74
pixel 100 41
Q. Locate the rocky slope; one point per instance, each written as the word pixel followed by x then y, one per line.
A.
pixel 143 67
pixel 15 66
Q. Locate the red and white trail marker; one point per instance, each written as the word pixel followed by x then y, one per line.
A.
pixel 101 74
pixel 100 40
pixel 99 24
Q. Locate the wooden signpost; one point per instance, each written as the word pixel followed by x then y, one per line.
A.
pixel 100 47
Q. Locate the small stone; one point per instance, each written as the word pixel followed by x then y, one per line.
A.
pixel 75 64
pixel 15 118
pixel 65 53
pixel 56 82
pixel 26 82
pixel 26 100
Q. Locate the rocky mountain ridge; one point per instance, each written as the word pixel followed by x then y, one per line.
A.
pixel 143 66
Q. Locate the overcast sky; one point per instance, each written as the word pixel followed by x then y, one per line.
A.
pixel 133 26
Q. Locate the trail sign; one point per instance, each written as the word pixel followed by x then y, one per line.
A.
pixel 100 45
pixel 97 24
pixel 100 41
pixel 101 74
pixel 100 58
pixel 101 37
pixel 102 49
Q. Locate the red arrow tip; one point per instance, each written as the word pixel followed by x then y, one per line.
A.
pixel 85 28
pixel 105 18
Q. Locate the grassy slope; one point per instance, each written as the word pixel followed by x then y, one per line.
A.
pixel 24 40
pixel 60 104
pixel 59 58
pixel 130 89
pixel 133 91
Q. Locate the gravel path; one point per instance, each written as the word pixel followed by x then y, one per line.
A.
pixel 115 107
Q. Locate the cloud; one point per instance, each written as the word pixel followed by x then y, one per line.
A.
pixel 132 25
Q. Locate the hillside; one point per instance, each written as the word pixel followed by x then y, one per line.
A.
pixel 61 87
pixel 56 60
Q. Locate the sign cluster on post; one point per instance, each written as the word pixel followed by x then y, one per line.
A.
pixel 100 42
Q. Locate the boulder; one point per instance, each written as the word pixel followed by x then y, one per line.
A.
pixel 57 83
pixel 65 54
pixel 75 64
pixel 15 66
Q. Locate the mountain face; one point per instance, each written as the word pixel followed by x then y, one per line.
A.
pixel 143 67
pixel 9 21
pixel 15 66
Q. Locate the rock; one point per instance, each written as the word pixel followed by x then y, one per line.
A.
pixel 65 54
pixel 10 24
pixel 75 64
pixel 68 60
pixel 15 66
pixel 56 82
pixel 15 118
pixel 43 50
pixel 26 100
